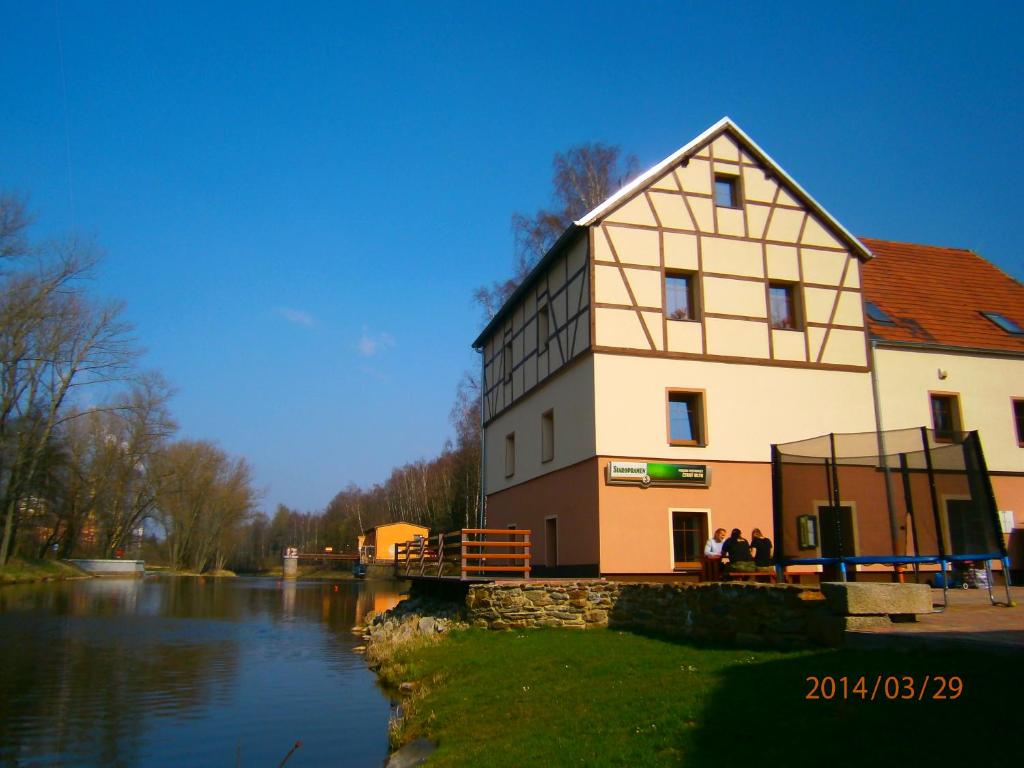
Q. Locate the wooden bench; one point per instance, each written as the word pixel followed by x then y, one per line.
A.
pixel 752 575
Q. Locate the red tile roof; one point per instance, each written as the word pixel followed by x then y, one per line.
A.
pixel 936 296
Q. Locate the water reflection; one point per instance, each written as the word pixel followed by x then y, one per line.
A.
pixel 183 671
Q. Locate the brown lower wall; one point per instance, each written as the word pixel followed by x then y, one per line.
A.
pixel 620 529
pixel 570 496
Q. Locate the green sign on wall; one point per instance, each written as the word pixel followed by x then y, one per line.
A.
pixel 647 473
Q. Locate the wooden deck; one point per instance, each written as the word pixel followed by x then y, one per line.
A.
pixel 469 554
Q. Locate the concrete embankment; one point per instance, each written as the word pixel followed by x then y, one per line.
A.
pixel 18 571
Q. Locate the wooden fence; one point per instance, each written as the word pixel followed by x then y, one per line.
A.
pixel 468 553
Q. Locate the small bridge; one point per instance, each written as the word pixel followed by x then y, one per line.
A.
pixel 325 557
pixel 469 554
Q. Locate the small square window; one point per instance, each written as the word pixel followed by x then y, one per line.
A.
pixel 686 418
pixel 782 300
pixel 1018 418
pixel 510 454
pixel 543 328
pixel 945 417
pixel 679 300
pixel 547 436
pixel 727 191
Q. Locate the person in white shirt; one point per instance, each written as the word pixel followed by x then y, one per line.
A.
pixel 711 565
pixel 714 546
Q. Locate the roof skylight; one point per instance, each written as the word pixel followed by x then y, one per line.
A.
pixel 878 314
pixel 1005 323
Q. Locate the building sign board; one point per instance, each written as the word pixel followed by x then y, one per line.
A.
pixel 647 473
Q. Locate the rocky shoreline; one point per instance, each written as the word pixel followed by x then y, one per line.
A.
pixel 414 622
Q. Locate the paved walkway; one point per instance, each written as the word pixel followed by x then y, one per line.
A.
pixel 970 622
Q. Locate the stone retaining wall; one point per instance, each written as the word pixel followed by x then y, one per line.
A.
pixel 747 614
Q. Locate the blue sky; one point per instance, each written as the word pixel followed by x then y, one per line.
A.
pixel 297 199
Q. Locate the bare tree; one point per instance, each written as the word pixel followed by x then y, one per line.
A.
pixel 204 497
pixel 583 177
pixel 54 340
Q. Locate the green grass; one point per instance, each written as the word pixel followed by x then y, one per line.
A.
pixel 609 698
pixel 20 570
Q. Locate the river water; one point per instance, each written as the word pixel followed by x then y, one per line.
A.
pixel 167 671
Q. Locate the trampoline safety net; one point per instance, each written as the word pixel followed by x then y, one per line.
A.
pixel 901 496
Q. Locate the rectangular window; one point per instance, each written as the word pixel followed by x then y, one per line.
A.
pixel 686 418
pixel 689 532
pixel 782 303
pixel 543 328
pixel 506 362
pixel 1018 418
pixel 945 416
pixel 727 191
pixel 679 303
pixel 510 454
pixel 547 436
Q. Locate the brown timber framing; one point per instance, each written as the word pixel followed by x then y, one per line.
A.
pixel 832 314
pixel 629 288
pixel 552 377
pixel 564 321
pixel 700 263
pixel 623 265
pixel 526 358
pixel 723 236
pixel 729 359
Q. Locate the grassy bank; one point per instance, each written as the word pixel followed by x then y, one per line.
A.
pixel 604 697
pixel 23 570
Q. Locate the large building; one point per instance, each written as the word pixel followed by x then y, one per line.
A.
pixel 636 380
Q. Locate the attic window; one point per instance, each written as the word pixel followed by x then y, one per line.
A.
pixel 878 314
pixel 1005 323
pixel 727 191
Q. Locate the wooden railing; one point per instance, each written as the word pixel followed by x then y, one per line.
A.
pixel 468 553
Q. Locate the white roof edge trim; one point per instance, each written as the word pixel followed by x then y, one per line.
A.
pixel 641 180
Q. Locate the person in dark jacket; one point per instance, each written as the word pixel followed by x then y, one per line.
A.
pixel 762 547
pixel 737 549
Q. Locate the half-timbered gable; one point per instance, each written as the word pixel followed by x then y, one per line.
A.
pixel 716 254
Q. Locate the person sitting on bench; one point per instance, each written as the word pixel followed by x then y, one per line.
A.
pixel 762 547
pixel 737 549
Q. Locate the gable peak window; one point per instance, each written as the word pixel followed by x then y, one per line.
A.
pixel 727 191
pixel 782 306
pixel 679 296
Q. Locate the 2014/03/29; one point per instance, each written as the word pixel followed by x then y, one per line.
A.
pixel 889 687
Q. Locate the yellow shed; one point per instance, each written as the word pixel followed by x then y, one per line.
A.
pixel 379 542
